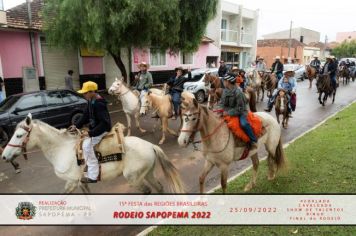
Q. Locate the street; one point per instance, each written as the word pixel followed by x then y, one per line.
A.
pixel 37 174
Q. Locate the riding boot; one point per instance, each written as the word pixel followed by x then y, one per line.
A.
pixel 88 180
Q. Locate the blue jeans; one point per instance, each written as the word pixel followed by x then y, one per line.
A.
pixel 247 128
pixel 279 75
pixel 1 96
pixel 176 101
pixel 333 81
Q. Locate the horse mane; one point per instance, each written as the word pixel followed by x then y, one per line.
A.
pixel 60 132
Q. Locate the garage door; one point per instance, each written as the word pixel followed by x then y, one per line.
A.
pixel 111 69
pixel 56 63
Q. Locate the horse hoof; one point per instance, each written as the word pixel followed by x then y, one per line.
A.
pixel 161 142
pixel 18 171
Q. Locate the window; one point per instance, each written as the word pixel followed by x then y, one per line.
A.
pixel 158 57
pixel 53 98
pixel 29 102
pixel 186 58
pixel 223 24
pixel 69 97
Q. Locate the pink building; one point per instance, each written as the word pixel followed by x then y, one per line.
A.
pixel 348 36
pixel 162 64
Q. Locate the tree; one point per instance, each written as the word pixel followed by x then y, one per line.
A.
pixel 115 24
pixel 345 49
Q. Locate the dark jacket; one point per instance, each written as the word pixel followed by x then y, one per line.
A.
pixel 277 67
pixel 97 116
pixel 332 66
pixel 234 102
pixel 222 71
pixel 176 84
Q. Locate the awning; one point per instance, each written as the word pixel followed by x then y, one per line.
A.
pixel 230 49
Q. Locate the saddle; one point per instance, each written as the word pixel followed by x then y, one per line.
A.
pixel 114 139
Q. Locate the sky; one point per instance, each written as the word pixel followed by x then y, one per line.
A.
pixel 326 17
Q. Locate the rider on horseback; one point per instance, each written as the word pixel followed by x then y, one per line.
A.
pixel 277 68
pixel 330 69
pixel 315 63
pixel 234 103
pixel 144 79
pixel 97 116
pixel 289 84
pixel 261 66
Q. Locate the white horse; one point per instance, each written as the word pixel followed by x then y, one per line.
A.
pixel 58 146
pixel 220 148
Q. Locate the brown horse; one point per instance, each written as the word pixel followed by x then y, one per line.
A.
pixel 270 82
pixel 324 85
pixel 216 91
pixel 281 107
pixel 344 73
pixel 311 74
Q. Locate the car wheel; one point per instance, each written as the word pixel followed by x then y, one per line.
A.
pixel 200 96
pixel 75 118
pixel 4 137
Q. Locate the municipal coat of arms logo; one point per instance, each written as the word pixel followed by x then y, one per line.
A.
pixel 25 211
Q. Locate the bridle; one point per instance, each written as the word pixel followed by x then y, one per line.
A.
pixel 24 143
pixel 196 129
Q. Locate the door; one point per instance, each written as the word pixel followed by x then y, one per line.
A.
pixel 31 103
pixel 56 64
pixel 57 113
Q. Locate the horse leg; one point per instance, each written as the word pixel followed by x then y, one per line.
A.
pixel 310 83
pixel 137 115
pixel 136 180
pixel 320 93
pixel 16 166
pixel 85 188
pixel 164 129
pixel 334 93
pixel 207 168
pixel 70 187
pixel 128 118
pixel 277 116
pixel 255 163
pixel 150 178
pixel 224 175
pixel 272 167
pixel 263 93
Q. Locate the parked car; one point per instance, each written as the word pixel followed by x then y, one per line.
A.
pixel 299 70
pixel 197 85
pixel 59 108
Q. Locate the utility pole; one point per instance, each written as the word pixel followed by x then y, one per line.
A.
pixel 290 40
pixel 325 42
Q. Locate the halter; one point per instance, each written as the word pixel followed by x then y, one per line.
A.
pixel 205 138
pixel 24 143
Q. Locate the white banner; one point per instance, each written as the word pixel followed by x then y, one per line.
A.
pixel 177 209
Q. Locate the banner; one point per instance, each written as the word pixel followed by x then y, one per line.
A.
pixel 178 209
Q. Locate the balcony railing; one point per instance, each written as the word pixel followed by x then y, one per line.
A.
pixel 246 38
pixel 229 35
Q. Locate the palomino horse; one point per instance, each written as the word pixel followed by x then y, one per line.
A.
pixel 281 107
pixel 58 146
pixel 344 73
pixel 220 148
pixel 162 105
pixel 311 74
pixel 216 91
pixel 270 82
pixel 257 83
pixel 324 85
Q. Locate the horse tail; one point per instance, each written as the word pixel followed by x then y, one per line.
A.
pixel 169 170
pixel 253 100
pixel 280 157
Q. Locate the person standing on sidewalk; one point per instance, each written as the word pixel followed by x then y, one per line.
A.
pixel 69 80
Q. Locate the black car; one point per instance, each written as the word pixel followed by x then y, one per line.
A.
pixel 58 108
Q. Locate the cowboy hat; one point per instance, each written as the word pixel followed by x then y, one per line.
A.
pixel 234 68
pixel 277 57
pixel 289 71
pixel 260 58
pixel 315 56
pixel 88 87
pixel 143 63
pixel 332 57
pixel 179 68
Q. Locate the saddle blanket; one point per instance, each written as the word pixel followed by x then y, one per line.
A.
pixel 114 139
pixel 233 123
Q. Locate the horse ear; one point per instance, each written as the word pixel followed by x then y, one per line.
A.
pixel 29 119
pixel 149 92
pixel 195 102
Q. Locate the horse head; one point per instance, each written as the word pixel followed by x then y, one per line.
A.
pixel 18 142
pixel 117 87
pixel 146 103
pixel 207 78
pixel 190 110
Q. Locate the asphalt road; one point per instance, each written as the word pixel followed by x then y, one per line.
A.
pixel 37 174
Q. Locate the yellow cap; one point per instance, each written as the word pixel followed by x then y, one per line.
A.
pixel 88 86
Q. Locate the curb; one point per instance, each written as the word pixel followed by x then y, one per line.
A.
pixel 151 228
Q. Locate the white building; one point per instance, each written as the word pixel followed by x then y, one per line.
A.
pixel 234 31
pixel 301 34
